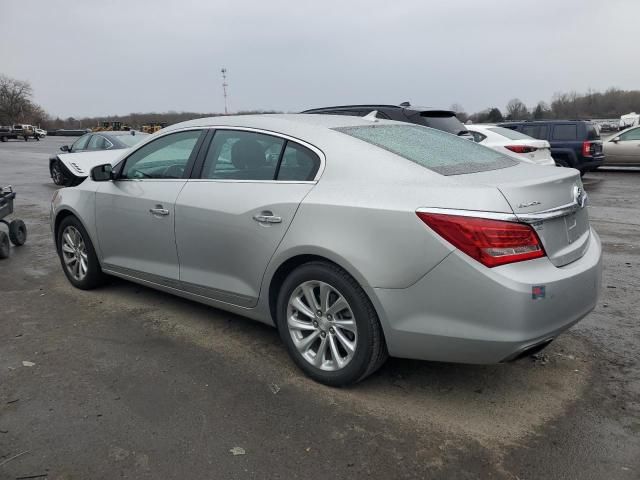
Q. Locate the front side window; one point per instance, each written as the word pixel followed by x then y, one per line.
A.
pixel 565 132
pixel 433 149
pixel 240 155
pixel 81 143
pixel 166 157
pixel 630 135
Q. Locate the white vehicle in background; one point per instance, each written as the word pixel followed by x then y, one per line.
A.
pixel 40 132
pixel 513 144
pixel 629 120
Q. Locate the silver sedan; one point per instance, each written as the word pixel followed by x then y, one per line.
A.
pixel 358 238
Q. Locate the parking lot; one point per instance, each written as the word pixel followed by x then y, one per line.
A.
pixel 130 382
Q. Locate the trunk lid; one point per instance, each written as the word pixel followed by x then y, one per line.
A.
pixel 551 199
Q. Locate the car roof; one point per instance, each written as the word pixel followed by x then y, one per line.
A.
pixel 534 122
pixel 377 106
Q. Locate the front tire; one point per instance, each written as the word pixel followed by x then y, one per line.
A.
pixel 329 325
pixel 4 245
pixel 58 174
pixel 17 232
pixel 77 255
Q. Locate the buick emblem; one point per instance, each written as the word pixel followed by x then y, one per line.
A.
pixel 579 196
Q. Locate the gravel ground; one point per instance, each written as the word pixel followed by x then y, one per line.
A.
pixel 128 382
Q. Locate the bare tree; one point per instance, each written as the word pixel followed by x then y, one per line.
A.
pixel 517 110
pixel 15 100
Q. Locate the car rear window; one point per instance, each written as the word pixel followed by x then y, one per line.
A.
pixel 592 132
pixel 131 140
pixel 442 120
pixel 438 151
pixel 510 134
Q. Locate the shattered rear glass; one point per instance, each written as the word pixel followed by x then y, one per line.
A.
pixel 441 152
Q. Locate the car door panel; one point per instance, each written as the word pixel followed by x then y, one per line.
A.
pixel 223 249
pixel 132 238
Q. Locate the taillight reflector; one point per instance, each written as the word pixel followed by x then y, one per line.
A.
pixel 491 242
pixel 521 148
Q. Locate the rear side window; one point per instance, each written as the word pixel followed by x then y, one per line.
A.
pixel 477 136
pixel 240 155
pixel 535 131
pixel 432 149
pixel 298 163
pixel 565 132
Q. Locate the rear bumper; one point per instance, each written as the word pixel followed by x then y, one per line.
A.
pixel 590 163
pixel 464 312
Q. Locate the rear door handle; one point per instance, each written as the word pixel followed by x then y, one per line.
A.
pixel 267 217
pixel 159 210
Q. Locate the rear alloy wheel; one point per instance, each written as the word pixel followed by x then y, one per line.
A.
pixel 77 255
pixel 329 326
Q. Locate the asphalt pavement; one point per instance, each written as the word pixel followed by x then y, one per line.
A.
pixel 127 382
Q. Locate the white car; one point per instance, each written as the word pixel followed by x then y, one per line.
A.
pixel 512 143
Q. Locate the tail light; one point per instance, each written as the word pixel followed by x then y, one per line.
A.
pixel 586 149
pixel 491 242
pixel 521 148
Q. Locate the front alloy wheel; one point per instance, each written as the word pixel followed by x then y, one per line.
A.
pixel 74 253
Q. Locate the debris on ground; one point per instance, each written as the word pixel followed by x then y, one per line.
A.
pixel 541 358
pixel 26 363
pixel 274 388
pixel 237 451
pixel 13 458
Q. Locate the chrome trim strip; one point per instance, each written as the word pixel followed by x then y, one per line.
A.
pixel 218 295
pixel 534 217
pixel 505 217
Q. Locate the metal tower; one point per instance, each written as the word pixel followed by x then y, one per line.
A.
pixel 224 89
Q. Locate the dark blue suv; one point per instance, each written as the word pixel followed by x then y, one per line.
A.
pixel 574 143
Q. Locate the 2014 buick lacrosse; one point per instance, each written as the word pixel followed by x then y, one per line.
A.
pixel 358 238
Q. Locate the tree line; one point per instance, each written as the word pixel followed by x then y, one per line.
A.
pixel 17 106
pixel 591 105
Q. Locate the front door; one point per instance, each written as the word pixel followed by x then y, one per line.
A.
pixel 135 214
pixel 231 219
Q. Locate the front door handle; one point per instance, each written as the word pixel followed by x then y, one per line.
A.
pixel 267 217
pixel 159 210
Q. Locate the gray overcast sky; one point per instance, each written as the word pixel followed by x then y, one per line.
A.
pixel 99 57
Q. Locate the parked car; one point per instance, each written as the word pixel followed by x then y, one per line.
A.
pixel 623 149
pixel 91 142
pixel 40 132
pixel 360 238
pixel 513 143
pixel 17 131
pixel 574 143
pixel 444 120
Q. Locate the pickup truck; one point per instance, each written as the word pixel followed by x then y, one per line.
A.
pixel 574 143
pixel 19 131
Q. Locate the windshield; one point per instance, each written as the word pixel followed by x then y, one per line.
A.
pixel 510 134
pixel 131 140
pixel 438 151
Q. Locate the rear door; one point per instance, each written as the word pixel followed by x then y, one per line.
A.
pixel 232 216
pixel 135 214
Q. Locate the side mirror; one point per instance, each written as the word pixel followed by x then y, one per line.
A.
pixel 102 173
pixel 65 148
pixel 615 139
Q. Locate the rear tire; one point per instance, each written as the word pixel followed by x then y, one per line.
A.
pixel 77 255
pixel 4 245
pixel 17 232
pixel 350 337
